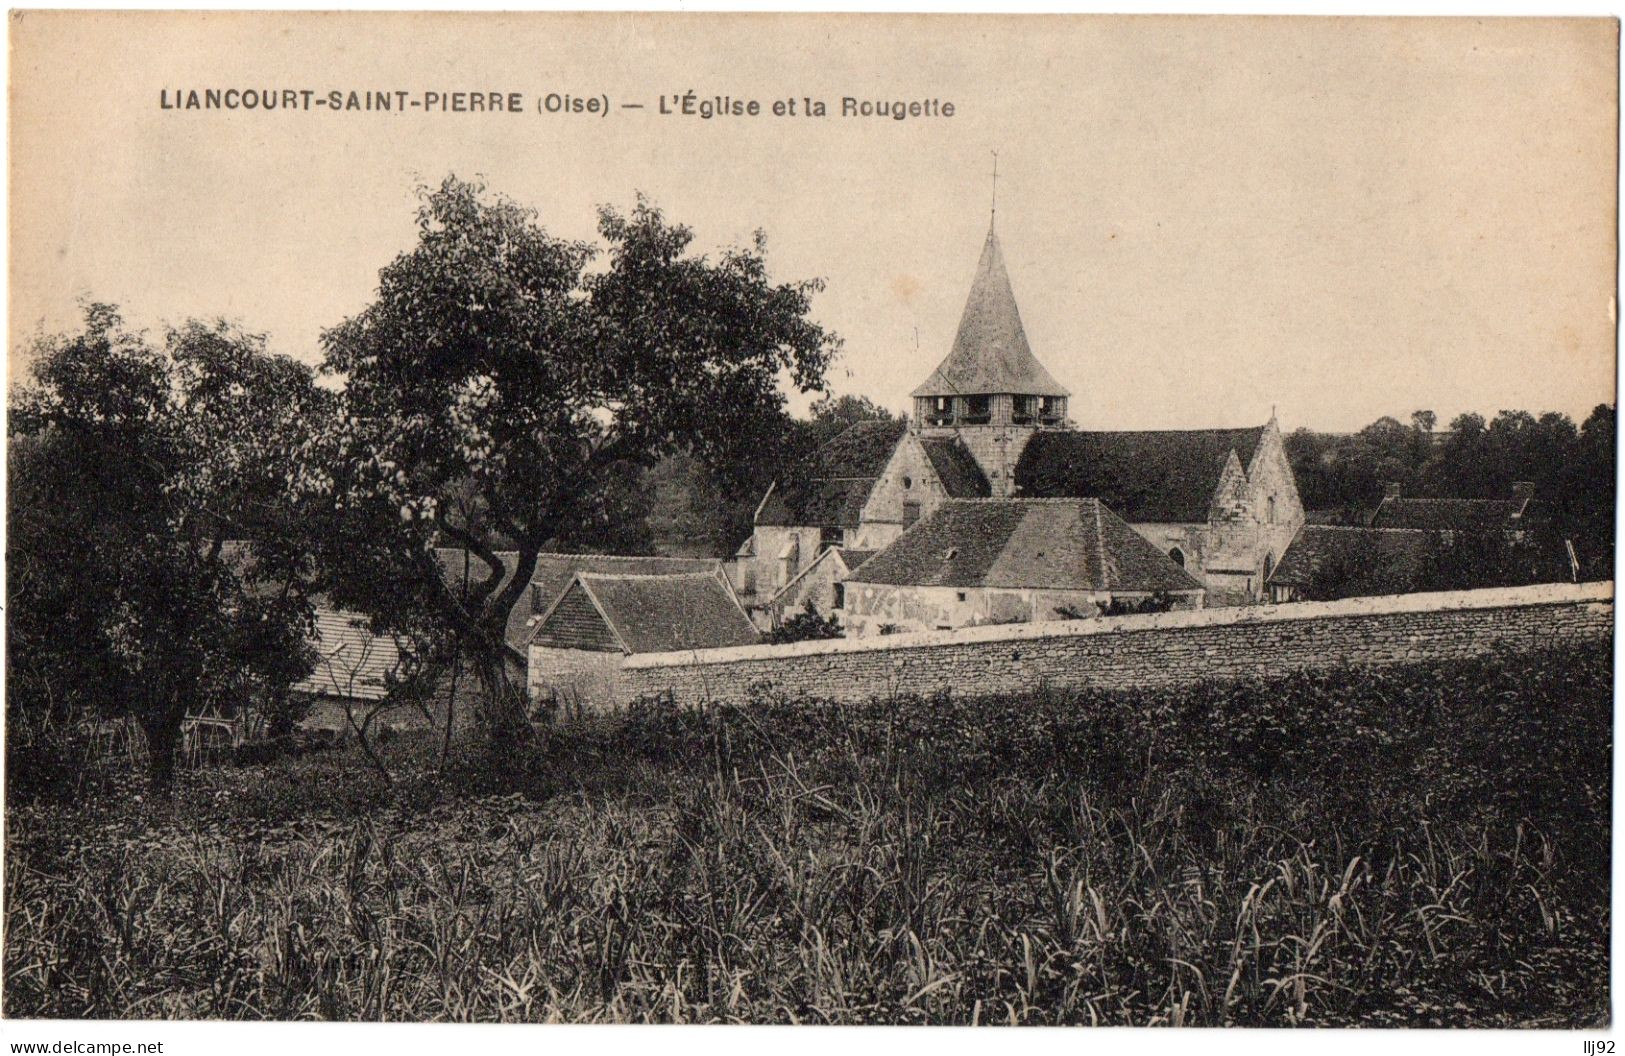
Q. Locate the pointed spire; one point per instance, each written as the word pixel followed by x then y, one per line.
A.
pixel 990 353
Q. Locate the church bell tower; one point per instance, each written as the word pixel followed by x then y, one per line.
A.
pixel 990 391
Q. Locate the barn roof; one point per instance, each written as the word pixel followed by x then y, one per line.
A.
pixel 1161 476
pixel 664 613
pixel 990 352
pixel 1054 544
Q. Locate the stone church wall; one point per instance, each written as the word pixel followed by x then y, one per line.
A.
pixel 1143 651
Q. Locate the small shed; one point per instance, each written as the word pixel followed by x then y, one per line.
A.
pixel 579 643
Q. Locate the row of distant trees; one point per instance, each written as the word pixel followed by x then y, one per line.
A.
pixel 504 390
pixel 1571 467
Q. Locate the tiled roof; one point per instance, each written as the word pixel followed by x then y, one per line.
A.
pixel 837 486
pixel 553 573
pixel 1056 544
pixel 956 467
pixel 1399 552
pixel 351 660
pixel 663 613
pixel 990 353
pixel 1156 477
pixel 862 449
pixel 854 558
pixel 1461 515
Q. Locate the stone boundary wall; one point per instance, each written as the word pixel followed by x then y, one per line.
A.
pixel 1160 649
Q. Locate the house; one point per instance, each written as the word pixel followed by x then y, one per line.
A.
pixel 554 573
pixel 1514 513
pixel 354 664
pixel 991 421
pixel 982 561
pixel 577 645
pixel 1340 559
pixel 1330 561
pixel 823 583
pixel 869 484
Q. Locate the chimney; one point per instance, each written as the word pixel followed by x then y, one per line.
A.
pixel 1390 490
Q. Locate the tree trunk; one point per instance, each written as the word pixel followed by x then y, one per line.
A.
pixel 504 706
pixel 163 739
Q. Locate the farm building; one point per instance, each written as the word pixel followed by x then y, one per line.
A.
pixel 577 645
pixel 354 664
pixel 984 561
pixel 1513 513
pixel 823 583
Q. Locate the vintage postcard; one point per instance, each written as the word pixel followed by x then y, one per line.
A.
pixel 809 519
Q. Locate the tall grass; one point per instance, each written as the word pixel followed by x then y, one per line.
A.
pixel 1426 846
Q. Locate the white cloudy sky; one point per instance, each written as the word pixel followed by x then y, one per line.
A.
pixel 1202 217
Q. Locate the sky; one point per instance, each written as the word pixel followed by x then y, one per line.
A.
pixel 1204 219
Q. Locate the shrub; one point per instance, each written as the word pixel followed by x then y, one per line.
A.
pixel 805 626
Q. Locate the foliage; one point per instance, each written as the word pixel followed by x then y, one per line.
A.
pixel 1159 601
pixel 1572 469
pixel 1423 846
pixel 831 415
pixel 132 468
pixel 495 366
pixel 1363 566
pixel 805 626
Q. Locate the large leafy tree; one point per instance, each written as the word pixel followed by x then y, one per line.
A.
pixel 135 473
pixel 522 374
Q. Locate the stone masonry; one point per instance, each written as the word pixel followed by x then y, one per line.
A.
pixel 1161 649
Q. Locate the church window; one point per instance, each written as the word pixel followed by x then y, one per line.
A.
pixel 911 513
pixel 1177 556
pixel 1270 507
pixel 941 412
pixel 908 482
pixel 1051 409
pixel 960 595
pixel 978 410
pixel 840 596
pixel 830 536
pixel 1025 410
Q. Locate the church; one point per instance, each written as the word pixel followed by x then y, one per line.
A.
pixel 1217 506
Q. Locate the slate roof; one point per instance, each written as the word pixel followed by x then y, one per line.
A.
pixel 990 352
pixel 1155 477
pixel 663 613
pixel 854 558
pixel 1461 515
pixel 956 467
pixel 1399 551
pixel 1055 544
pixel 836 488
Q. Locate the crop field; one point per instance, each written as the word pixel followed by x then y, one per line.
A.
pixel 1422 846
